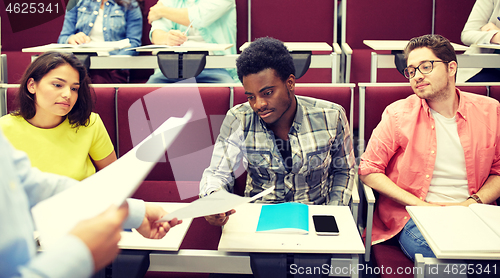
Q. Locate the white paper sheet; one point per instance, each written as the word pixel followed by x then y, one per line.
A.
pixel 217 202
pixel 56 216
pixel 455 229
pixel 188 45
pixel 489 214
pixel 101 48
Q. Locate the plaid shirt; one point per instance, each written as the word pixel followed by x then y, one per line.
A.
pixel 321 151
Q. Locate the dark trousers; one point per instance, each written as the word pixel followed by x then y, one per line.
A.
pixel 128 264
pixel 289 265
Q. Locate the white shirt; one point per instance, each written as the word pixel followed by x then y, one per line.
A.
pixel 96 34
pixel 449 179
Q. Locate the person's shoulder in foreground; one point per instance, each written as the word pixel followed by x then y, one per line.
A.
pixel 89 246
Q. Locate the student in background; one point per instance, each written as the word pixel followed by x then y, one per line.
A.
pixel 105 20
pixel 54 124
pixel 90 246
pixel 482 27
pixel 440 146
pixel 211 21
pixel 300 145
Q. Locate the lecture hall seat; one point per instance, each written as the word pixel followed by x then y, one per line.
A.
pixel 495 92
pixel 194 144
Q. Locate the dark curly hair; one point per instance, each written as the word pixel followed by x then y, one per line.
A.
pixel 80 114
pixel 265 53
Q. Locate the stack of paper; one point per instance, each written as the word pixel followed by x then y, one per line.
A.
pixel 460 229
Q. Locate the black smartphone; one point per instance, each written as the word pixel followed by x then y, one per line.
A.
pixel 325 225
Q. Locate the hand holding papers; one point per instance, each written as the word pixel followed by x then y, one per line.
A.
pixel 217 202
pixel 57 215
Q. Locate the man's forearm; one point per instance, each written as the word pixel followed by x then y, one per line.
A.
pixel 381 183
pixel 178 15
pixel 490 191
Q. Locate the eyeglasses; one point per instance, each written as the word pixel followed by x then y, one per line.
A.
pixel 425 67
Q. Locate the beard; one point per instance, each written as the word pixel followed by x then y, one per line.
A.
pixel 441 94
pixel 288 104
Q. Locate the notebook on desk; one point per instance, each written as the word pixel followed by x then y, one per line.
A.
pixel 287 218
pixel 92 46
pixel 456 229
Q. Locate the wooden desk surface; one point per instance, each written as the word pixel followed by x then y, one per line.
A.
pixel 301 46
pixel 171 242
pixel 239 234
pixel 400 45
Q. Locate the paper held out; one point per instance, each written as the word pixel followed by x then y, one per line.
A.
pixel 56 216
pixel 217 202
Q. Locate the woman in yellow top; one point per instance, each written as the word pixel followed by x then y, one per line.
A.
pixel 55 124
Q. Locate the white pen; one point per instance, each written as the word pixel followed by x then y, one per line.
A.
pixel 189 26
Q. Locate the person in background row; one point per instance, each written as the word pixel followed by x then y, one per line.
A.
pixel 440 146
pixel 210 21
pixel 54 124
pixel 482 27
pixel 89 246
pixel 105 20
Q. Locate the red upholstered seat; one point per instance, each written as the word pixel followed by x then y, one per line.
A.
pixel 105 107
pixel 480 90
pixel 376 100
pixel 389 255
pixel 495 92
pixel 10 97
pixel 140 110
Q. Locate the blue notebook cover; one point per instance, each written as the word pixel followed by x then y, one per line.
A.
pixel 284 218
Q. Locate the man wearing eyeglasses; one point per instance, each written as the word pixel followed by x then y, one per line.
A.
pixel 440 146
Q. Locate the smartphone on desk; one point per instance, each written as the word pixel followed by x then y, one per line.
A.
pixel 325 225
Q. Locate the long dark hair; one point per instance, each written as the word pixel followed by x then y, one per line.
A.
pixel 80 114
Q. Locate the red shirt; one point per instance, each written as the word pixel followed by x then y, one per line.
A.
pixel 403 146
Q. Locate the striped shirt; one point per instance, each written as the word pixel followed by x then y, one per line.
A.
pixel 322 156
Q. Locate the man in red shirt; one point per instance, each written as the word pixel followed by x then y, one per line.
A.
pixel 440 146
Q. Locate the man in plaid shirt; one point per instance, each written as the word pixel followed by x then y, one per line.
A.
pixel 300 145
